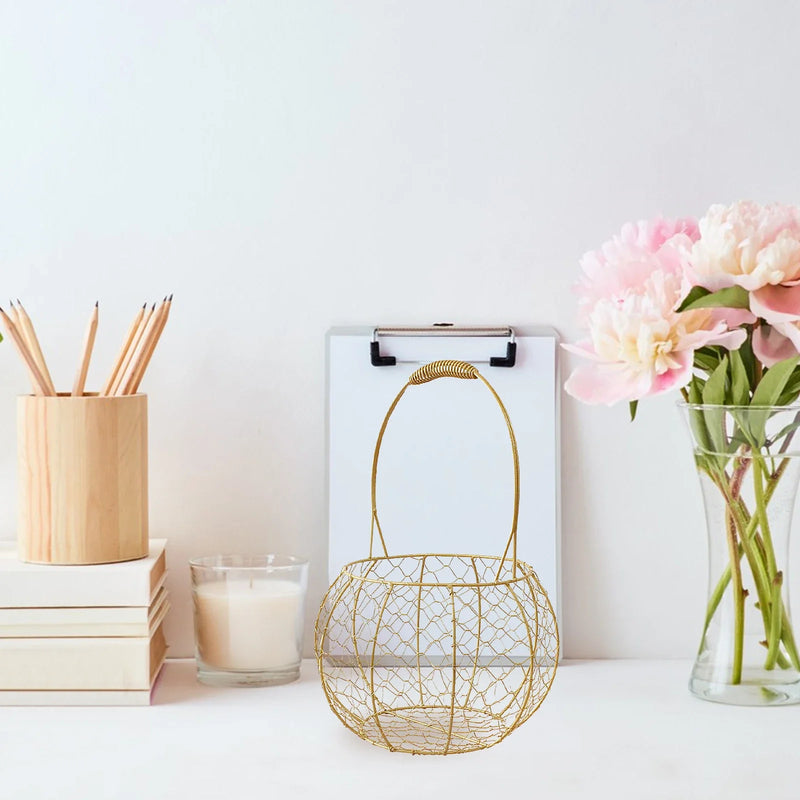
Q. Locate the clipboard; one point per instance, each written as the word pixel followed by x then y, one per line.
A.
pixel 445 474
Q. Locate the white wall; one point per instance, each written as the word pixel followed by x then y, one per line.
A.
pixel 286 166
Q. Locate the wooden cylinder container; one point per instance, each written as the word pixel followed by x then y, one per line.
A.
pixel 82 479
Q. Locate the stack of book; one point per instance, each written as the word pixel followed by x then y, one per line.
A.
pixel 81 635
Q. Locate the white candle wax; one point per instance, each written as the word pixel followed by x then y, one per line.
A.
pixel 248 625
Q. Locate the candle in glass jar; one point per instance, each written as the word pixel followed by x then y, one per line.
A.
pixel 248 624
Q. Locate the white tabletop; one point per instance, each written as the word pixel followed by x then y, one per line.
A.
pixel 609 729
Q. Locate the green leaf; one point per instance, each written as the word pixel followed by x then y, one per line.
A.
pixel 633 405
pixel 695 293
pixel 706 359
pixel 748 359
pixel 749 427
pixel 774 382
pixel 703 421
pixel 738 439
pixel 696 391
pixel 792 426
pixel 714 394
pixel 791 391
pixel 714 390
pixel 767 393
pixel 696 416
pixel 740 383
pixel 730 297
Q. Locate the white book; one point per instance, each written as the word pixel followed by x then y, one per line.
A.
pixel 71 622
pixel 86 697
pixel 128 583
pixel 102 663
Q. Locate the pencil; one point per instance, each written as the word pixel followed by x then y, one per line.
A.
pixel 28 332
pixel 124 352
pixel 88 345
pixel 151 349
pixel 36 376
pixel 132 350
pixel 128 379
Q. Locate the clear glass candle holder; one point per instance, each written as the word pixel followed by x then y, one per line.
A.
pixel 248 618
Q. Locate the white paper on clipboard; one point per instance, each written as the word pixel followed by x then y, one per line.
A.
pixel 445 478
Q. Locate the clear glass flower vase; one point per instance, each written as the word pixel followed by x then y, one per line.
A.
pixel 748 459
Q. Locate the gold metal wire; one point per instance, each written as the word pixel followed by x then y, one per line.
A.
pixel 436 653
pixel 443 369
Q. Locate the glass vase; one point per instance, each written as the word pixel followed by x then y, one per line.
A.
pixel 748 459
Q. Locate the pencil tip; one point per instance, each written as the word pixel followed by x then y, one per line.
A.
pixel 144 305
pixel 12 303
pixel 154 307
pixel 170 298
pixel 97 304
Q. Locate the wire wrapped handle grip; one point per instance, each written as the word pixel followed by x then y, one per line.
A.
pixel 426 374
pixel 443 369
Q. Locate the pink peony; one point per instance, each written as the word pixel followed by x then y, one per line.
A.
pixel 774 344
pixel 640 346
pixel 623 263
pixel 755 247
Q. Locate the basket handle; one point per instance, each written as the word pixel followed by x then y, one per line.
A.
pixel 443 369
pixel 426 374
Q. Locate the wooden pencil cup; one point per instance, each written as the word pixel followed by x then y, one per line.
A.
pixel 82 479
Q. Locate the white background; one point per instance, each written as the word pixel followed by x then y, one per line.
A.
pixel 287 166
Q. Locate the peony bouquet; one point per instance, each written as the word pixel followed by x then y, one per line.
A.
pixel 712 308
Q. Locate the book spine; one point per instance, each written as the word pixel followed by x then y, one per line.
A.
pixel 125 584
pixel 77 698
pixel 27 623
pixel 79 664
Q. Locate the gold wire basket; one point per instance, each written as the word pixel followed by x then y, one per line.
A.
pixel 436 654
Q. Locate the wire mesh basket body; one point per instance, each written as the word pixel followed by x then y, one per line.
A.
pixel 436 653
